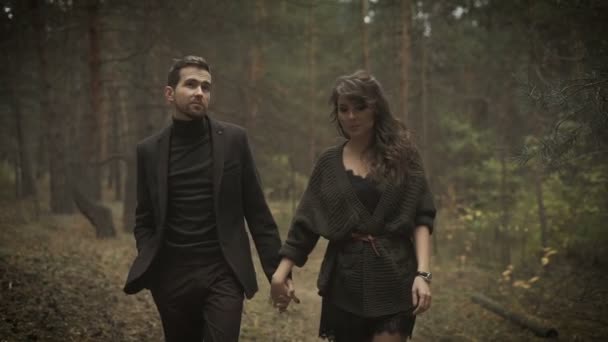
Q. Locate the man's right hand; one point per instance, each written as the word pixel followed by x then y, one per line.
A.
pixel 282 292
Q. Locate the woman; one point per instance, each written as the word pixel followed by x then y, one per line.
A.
pixel 369 198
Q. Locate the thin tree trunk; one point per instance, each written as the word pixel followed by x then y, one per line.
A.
pixel 41 150
pixel 139 126
pixel 502 235
pixel 24 176
pixel 255 65
pixel 130 197
pixel 405 59
pixel 60 195
pixel 536 121
pixel 311 82
pixel 116 146
pixel 17 174
pixel 96 121
pixel 424 101
pixel 294 192
pixel 542 215
pixel 28 185
pixel 424 113
pixel 365 34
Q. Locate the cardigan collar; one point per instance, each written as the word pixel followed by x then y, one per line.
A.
pixel 370 222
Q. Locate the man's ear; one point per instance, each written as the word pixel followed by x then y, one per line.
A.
pixel 169 94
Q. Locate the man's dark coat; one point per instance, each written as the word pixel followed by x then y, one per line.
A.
pixel 237 195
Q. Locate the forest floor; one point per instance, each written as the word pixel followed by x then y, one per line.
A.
pixel 59 283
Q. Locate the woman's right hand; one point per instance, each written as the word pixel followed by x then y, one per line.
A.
pixel 281 285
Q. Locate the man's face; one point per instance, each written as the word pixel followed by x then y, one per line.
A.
pixel 192 94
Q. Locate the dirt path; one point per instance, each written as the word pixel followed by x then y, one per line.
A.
pixel 59 283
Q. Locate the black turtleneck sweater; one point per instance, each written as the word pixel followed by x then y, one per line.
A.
pixel 191 225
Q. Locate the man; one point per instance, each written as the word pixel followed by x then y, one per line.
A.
pixel 197 181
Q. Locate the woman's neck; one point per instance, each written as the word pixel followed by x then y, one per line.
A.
pixel 360 144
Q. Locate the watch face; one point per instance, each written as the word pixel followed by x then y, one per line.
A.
pixel 425 275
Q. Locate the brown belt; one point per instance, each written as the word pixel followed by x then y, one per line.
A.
pixel 366 238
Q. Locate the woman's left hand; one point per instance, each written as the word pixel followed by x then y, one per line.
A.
pixel 421 295
pixel 282 292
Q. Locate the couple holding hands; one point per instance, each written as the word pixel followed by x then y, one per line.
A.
pixel 197 184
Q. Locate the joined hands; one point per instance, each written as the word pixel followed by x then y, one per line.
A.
pixel 282 292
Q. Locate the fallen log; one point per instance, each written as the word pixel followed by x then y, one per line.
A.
pixel 520 319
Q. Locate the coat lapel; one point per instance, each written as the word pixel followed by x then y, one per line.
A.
pixel 218 142
pixel 164 142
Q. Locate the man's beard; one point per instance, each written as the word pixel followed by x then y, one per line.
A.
pixel 192 114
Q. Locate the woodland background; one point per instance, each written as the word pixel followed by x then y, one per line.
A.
pixel 508 101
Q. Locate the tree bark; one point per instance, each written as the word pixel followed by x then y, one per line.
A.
pixel 115 145
pixel 311 83
pixel 424 113
pixel 365 34
pixel 60 197
pixel 95 120
pixel 502 235
pixel 542 215
pixel 27 186
pixel 405 58
pixel 424 99
pixel 256 68
pixel 140 126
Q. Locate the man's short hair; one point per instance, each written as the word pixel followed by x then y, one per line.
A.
pixel 179 64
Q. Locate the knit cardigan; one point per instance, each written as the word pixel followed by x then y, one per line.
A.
pixel 354 276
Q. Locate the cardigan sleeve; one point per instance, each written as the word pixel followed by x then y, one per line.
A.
pixel 300 242
pixel 425 210
pixel 302 236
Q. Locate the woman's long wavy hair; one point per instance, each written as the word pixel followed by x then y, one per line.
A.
pixel 392 154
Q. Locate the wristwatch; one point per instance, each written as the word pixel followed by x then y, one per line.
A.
pixel 427 276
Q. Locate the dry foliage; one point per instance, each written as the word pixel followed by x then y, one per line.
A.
pixel 59 283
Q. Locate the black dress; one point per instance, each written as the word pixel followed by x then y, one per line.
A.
pixel 340 325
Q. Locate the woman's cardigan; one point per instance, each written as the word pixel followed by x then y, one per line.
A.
pixel 373 280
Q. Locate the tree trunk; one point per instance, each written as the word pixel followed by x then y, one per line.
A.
pixel 311 83
pixel 27 184
pixel 536 122
pixel 424 99
pixel 365 34
pixel 60 196
pixel 130 197
pixel 114 144
pixel 256 67
pixel 24 175
pixel 502 234
pixel 405 58
pixel 542 215
pixel 96 130
pixel 424 113
pixel 140 126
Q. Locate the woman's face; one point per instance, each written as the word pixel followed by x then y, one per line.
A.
pixel 355 117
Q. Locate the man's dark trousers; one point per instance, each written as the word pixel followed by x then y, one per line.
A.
pixel 197 296
pixel 237 196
